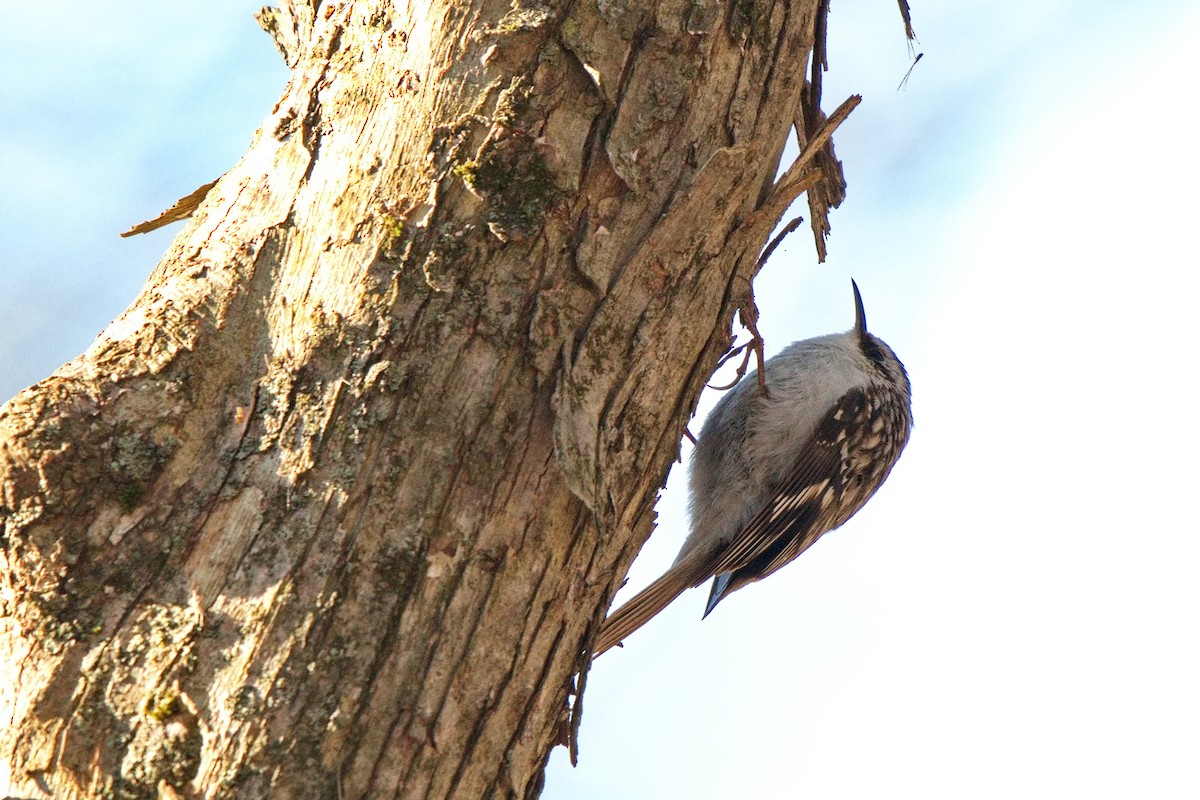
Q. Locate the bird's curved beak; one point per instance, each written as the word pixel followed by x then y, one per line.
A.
pixel 860 316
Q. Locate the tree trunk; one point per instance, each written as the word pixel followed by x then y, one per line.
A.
pixel 334 508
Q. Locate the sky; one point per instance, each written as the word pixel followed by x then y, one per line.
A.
pixel 1015 613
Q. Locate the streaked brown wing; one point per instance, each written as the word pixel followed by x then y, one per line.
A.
pixel 799 511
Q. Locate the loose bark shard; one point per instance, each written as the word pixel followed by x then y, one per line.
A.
pixel 906 15
pixel 183 208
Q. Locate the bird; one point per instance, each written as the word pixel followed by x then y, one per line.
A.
pixel 780 463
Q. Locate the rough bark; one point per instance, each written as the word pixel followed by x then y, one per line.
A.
pixel 333 509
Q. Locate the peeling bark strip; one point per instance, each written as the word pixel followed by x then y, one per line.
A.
pixel 332 509
pixel 183 208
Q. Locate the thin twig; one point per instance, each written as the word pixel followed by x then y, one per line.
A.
pixel 820 63
pixel 816 142
pixel 910 70
pixel 779 237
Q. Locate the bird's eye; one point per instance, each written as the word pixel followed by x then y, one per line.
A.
pixel 872 350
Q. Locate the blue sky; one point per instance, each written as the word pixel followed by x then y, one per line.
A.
pixel 1015 614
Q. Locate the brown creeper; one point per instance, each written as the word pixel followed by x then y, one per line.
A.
pixel 774 471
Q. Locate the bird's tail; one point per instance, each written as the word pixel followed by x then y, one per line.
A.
pixel 683 575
